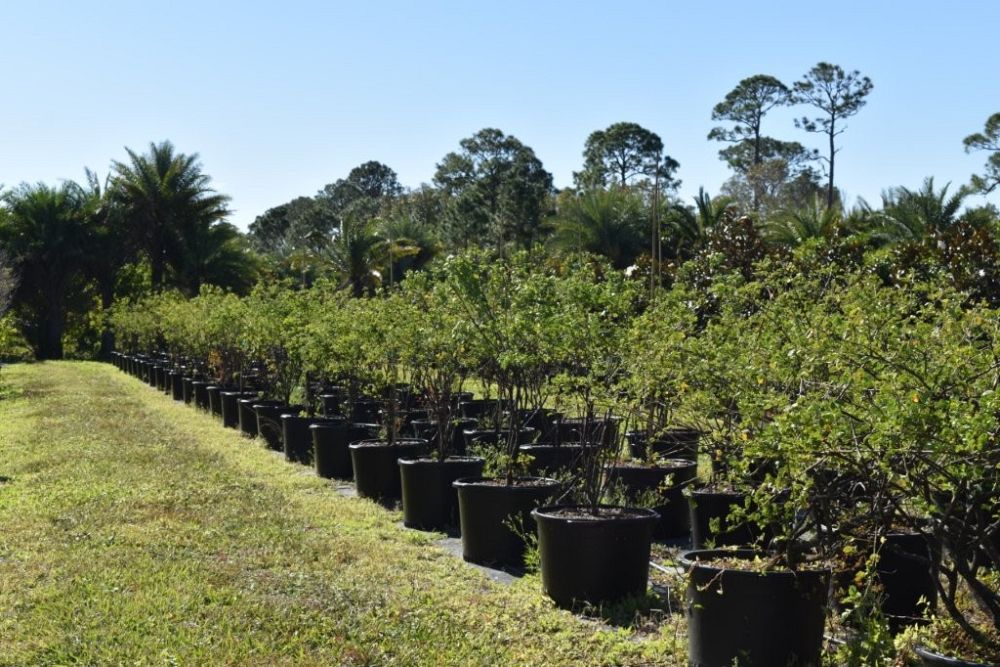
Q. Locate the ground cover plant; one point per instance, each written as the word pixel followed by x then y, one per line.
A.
pixel 138 531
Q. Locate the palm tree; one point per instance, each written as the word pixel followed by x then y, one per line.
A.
pixel 911 215
pixel 216 254
pixel 167 202
pixel 795 226
pixel 358 254
pixel 611 223
pixel 690 226
pixel 47 231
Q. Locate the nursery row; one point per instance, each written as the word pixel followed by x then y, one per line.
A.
pixel 836 437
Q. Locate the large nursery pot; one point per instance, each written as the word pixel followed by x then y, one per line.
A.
pixel 200 389
pixel 247 416
pixel 738 616
pixel 365 411
pixel 488 508
pixel 215 399
pixel 376 467
pixel 331 439
pixel 705 506
pixel 177 385
pixel 907 574
pixel 552 460
pixel 269 421
pixel 331 402
pixel 187 390
pixel 675 516
pixel 430 502
pixel 296 438
pixel 674 443
pixel 153 379
pixel 594 558
pixel 230 406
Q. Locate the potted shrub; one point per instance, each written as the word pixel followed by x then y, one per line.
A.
pixel 436 367
pixel 505 329
pixel 375 462
pixel 590 551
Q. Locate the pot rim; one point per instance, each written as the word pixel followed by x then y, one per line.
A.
pixel 637 515
pixel 381 442
pixel 434 461
pixel 479 482
pixel 686 561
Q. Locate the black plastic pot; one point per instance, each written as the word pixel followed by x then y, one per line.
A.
pixel 215 399
pixel 907 575
pixel 594 559
pixel 674 443
pixel 708 505
pixel 549 460
pixel 429 499
pixel 231 408
pixel 365 411
pixel 330 440
pixel 488 508
pixel 269 421
pixel 929 658
pixel 331 403
pixel 589 431
pixel 247 416
pixel 200 389
pixel 177 385
pixel 187 391
pixel 376 467
pixel 753 619
pixel 154 376
pixel 675 516
pixel 296 438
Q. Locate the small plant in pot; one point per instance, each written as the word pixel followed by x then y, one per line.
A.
pixel 437 367
pixel 504 328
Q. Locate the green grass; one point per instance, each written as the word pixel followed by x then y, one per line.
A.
pixel 135 530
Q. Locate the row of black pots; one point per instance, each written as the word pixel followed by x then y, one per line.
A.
pixel 494 517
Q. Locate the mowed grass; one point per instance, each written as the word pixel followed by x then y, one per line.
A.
pixel 136 530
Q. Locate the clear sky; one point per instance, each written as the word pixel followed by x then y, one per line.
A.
pixel 280 98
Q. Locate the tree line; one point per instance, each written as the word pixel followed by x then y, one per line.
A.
pixel 67 252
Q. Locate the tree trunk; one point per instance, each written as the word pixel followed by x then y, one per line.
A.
pixel 829 185
pixel 50 332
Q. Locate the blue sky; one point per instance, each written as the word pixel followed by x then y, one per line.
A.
pixel 280 98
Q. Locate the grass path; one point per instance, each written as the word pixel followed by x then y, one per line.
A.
pixel 135 530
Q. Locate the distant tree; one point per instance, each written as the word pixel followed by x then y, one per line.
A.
pixel 838 95
pixel 164 196
pixel 47 232
pixel 8 279
pixel 776 181
pixel 988 140
pixel 270 231
pixel 622 152
pixel 612 223
pixel 365 191
pixel 113 244
pixel 745 106
pixel 496 191
pixel 358 256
